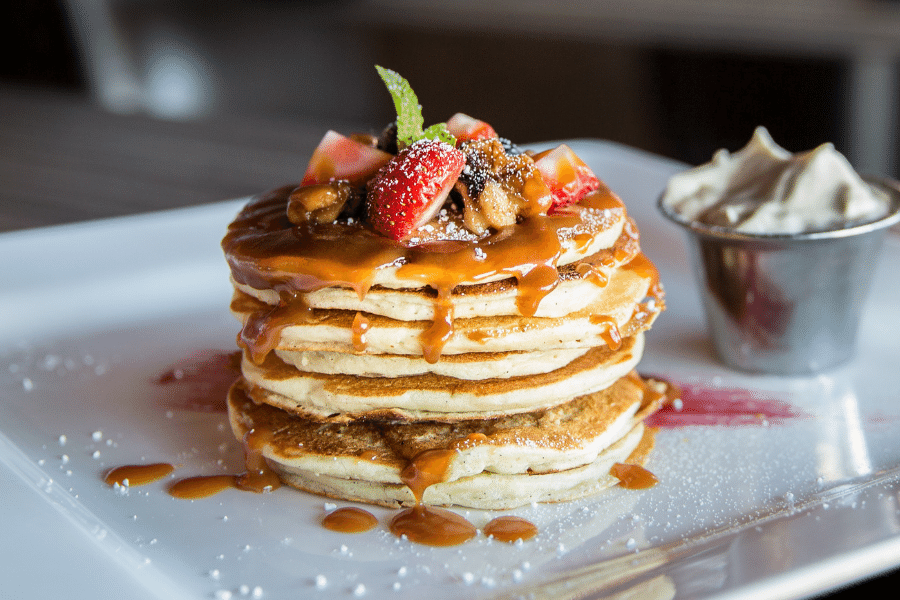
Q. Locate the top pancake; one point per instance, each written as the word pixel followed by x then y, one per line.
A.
pixel 267 252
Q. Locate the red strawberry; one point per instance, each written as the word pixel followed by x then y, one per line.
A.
pixel 464 128
pixel 339 157
pixel 408 191
pixel 568 178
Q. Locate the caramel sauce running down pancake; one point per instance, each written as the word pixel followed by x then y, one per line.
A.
pixel 266 251
pixel 258 477
pixel 426 524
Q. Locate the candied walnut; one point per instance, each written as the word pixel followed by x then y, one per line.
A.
pixel 319 203
pixel 488 160
pixel 473 220
pixel 497 187
pixel 493 208
pixel 497 205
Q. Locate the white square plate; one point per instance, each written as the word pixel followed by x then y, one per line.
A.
pixel 94 314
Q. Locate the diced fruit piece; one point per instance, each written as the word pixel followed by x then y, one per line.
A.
pixel 567 176
pixel 465 128
pixel 409 190
pixel 339 157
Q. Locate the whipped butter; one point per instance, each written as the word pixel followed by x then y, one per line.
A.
pixel 765 189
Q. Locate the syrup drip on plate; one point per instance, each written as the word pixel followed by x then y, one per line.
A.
pixel 633 477
pixel 432 526
pixel 258 477
pixel 349 520
pixel 425 524
pixel 132 475
pixel 510 529
pixel 202 486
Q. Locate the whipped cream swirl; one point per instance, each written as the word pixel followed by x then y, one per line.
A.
pixel 764 189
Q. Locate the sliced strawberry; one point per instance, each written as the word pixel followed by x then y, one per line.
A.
pixel 465 128
pixel 339 157
pixel 408 191
pixel 568 178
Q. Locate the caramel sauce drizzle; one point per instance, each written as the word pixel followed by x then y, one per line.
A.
pixel 258 477
pixel 593 274
pixel 612 336
pixel 266 251
pixel 349 520
pixel 432 526
pixel 359 328
pixel 427 468
pixel 651 397
pixel 509 529
pixel 425 524
pixel 202 486
pixel 261 333
pixel 633 477
pixel 435 337
pixel 132 475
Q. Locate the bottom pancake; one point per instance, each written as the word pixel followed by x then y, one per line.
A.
pixel 545 456
pixel 486 490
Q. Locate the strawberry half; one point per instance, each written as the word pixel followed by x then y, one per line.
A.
pixel 568 178
pixel 409 190
pixel 339 157
pixel 465 128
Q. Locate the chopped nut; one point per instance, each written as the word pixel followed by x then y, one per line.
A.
pixel 320 203
pixel 523 183
pixel 496 205
pixel 473 220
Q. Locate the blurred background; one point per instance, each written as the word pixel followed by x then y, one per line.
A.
pixel 230 96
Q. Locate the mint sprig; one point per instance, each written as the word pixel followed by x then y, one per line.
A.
pixel 409 112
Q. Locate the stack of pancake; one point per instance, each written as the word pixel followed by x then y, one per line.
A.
pixel 516 350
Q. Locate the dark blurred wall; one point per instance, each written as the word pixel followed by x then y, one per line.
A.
pixel 682 104
pixel 296 60
pixel 708 100
pixel 40 49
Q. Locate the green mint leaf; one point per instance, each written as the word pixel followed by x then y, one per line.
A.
pixel 439 131
pixel 409 112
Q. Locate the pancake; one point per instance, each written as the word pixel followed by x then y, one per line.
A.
pixel 498 325
pixel 436 397
pixel 578 286
pixel 548 455
pixel 262 244
pixel 623 299
pixel 471 366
